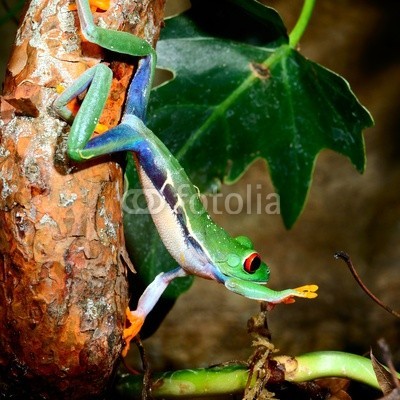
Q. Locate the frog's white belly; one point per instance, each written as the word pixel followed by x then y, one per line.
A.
pixel 169 228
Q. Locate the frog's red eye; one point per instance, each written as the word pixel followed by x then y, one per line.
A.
pixel 252 263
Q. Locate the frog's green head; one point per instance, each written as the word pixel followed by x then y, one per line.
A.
pixel 243 272
pixel 243 262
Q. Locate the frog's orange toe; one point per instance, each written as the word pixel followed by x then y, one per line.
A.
pixel 134 324
pixel 101 128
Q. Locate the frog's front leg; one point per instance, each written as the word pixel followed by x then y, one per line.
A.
pixel 98 82
pixel 255 291
pixel 146 303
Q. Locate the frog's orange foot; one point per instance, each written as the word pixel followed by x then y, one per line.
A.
pixel 134 323
pixel 95 5
pixel 100 4
pixel 306 291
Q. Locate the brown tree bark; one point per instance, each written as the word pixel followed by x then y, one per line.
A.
pixel 63 287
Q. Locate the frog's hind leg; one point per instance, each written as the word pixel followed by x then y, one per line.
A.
pixel 146 303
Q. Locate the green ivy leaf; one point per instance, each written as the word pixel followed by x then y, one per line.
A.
pixel 242 101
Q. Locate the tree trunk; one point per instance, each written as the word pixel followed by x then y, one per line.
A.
pixel 63 286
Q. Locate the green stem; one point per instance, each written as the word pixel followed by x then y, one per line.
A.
pixel 302 22
pixel 324 364
pixel 187 382
pixel 233 378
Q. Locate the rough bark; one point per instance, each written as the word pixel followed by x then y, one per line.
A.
pixel 63 287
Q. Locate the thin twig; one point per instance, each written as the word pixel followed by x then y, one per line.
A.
pixel 146 390
pixel 346 258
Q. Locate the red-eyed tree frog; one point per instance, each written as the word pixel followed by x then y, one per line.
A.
pixel 199 246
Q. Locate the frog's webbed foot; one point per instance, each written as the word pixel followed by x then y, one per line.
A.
pixel 147 301
pixel 306 291
pixel 134 322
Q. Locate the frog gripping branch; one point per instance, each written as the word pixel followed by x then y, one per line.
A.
pixel 199 246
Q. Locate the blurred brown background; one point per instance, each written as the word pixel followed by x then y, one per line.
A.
pixel 346 211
